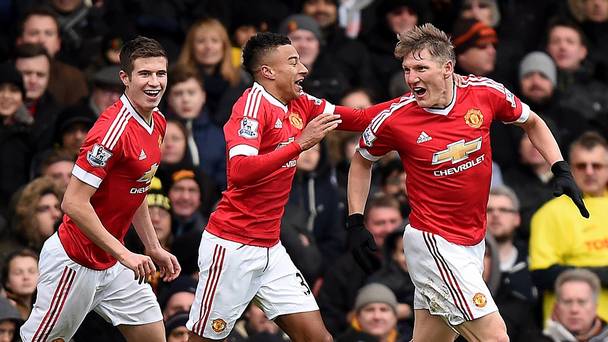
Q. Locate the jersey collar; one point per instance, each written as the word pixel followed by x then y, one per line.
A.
pixel 140 119
pixel 273 100
pixel 444 111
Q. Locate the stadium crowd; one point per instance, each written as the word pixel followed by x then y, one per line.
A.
pixel 547 267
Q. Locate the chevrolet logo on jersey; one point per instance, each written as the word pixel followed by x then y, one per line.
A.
pixel 457 151
pixel 148 175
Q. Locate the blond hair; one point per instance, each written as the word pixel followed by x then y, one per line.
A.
pixel 226 68
pixel 426 37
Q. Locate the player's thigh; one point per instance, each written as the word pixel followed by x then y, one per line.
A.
pixel 286 296
pixel 429 327
pixel 304 326
pixel 448 277
pixel 229 278
pixel 123 301
pixel 65 293
pixel 151 332
pixel 489 328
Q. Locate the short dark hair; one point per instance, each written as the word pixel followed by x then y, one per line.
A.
pixel 29 50
pixel 382 201
pixel 588 141
pixel 24 252
pixel 258 46
pixel 569 23
pixel 39 11
pixel 181 73
pixel 140 47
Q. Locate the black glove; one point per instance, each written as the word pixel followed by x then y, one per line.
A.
pixel 361 244
pixel 564 184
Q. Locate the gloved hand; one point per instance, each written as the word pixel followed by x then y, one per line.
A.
pixel 564 184
pixel 361 244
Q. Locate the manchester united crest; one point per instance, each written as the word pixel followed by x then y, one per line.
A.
pixel 218 325
pixel 296 120
pixel 480 300
pixel 473 118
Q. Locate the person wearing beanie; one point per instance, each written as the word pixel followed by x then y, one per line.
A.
pixel 15 127
pixel 326 78
pixel 375 315
pixel 10 320
pixel 177 296
pixel 475 47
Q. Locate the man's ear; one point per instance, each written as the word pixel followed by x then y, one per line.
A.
pixel 124 78
pixel 267 72
pixel 448 69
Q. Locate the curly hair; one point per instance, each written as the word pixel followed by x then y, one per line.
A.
pixel 258 46
pixel 26 225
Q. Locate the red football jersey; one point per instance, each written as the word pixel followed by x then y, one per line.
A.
pixel 446 154
pixel 119 157
pixel 260 124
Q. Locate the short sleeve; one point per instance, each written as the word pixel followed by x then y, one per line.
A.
pixel 101 150
pixel 243 131
pixel 376 139
pixel 508 108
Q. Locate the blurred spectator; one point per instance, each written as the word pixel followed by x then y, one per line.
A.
pixel 15 151
pixel 392 183
pixel 593 18
pixel 315 192
pixel 350 56
pixel 58 166
pixel 575 317
pixel 72 128
pixel 486 11
pixel 325 77
pixel 175 152
pixel 106 88
pixel 19 279
pixel 207 48
pixel 33 62
pixel 185 195
pixel 475 47
pixel 586 96
pixel 186 99
pixel 560 238
pixel 178 296
pixel 175 327
pixel 537 83
pixel 10 321
pixel 67 84
pixel 37 212
pixel 256 327
pixel 395 276
pixel 531 181
pixel 375 315
pixel 392 17
pixel 82 29
pixel 516 295
pixel 343 280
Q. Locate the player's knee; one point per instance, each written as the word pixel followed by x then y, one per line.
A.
pixel 499 336
pixel 327 337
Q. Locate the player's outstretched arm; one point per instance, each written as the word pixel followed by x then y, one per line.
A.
pixel 77 205
pixel 545 143
pixel 246 170
pixel 167 262
pixel 360 241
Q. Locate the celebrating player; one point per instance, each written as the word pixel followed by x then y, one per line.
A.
pixel 85 266
pixel 441 132
pixel 240 255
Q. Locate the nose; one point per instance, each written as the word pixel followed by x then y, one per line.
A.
pixel 411 77
pixel 154 81
pixel 303 69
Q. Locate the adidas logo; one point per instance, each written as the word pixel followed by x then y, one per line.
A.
pixel 278 124
pixel 423 137
pixel 142 155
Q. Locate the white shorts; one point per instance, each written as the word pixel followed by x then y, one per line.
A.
pixel 68 291
pixel 232 274
pixel 447 276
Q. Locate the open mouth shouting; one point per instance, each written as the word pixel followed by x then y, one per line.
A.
pixel 419 91
pixel 298 84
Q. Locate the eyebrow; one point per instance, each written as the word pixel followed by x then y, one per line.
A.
pixel 292 58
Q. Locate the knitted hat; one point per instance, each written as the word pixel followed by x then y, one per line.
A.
pixel 10 74
pixel 180 284
pixel 9 312
pixel 300 22
pixel 375 293
pixel 470 33
pixel 156 197
pixel 540 62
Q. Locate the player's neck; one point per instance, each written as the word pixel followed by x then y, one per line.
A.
pixel 448 93
pixel 273 90
pixel 146 114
